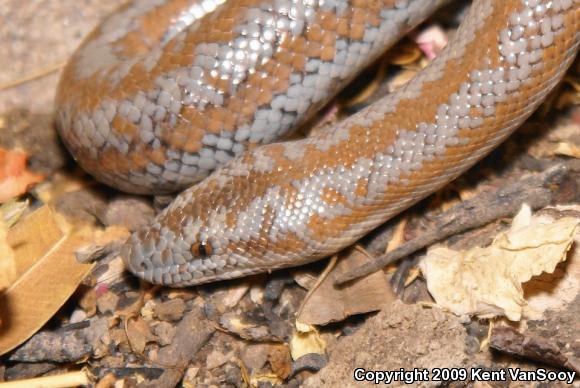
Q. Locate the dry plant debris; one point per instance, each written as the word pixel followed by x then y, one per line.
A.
pixel 327 303
pixel 47 271
pixel 537 191
pixel 486 282
pixel 306 340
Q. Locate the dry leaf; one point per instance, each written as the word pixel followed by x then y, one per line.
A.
pixel 554 291
pixel 14 177
pixel 487 282
pixel 329 304
pixel 7 261
pixel 306 340
pixel 35 235
pixel 47 272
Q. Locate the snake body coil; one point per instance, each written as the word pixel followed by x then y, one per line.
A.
pixel 166 90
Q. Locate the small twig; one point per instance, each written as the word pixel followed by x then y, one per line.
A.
pixel 476 212
pixel 193 332
pixel 72 379
pixel 30 77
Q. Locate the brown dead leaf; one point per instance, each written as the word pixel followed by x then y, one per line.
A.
pixel 35 235
pixel 47 272
pixel 129 304
pixel 10 213
pixel 14 177
pixel 329 304
pixel 487 282
pixel 7 261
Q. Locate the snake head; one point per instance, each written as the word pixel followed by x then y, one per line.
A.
pixel 182 254
pixel 201 238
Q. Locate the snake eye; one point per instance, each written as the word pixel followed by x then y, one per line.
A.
pixel 201 249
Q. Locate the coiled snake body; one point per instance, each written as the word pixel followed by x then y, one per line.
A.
pixel 165 91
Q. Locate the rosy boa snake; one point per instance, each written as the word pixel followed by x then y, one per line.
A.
pixel 165 91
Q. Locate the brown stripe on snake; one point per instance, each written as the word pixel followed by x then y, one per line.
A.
pixel 286 204
pixel 242 75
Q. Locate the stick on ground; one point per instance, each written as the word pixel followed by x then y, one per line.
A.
pixel 478 211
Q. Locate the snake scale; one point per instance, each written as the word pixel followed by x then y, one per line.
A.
pixel 168 93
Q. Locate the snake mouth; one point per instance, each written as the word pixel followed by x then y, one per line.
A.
pixel 143 262
pixel 141 257
pixel 143 267
pixel 138 264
